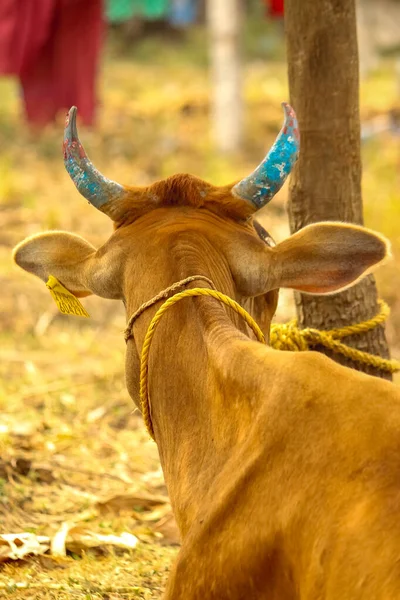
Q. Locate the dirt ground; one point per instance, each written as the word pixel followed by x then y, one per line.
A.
pixel 76 461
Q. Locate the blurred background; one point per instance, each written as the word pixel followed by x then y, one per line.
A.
pixel 73 450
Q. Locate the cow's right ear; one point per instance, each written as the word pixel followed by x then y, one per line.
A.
pixel 81 268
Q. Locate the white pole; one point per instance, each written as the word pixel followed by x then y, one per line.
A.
pixel 224 26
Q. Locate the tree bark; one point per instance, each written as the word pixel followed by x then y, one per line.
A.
pixel 326 182
pixel 224 17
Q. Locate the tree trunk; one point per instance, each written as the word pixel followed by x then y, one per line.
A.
pixel 326 182
pixel 224 26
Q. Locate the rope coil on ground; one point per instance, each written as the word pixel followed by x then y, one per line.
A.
pixel 287 336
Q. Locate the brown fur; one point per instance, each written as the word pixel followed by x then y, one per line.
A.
pixel 283 469
pixel 178 190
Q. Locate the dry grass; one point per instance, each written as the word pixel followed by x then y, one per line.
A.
pixel 64 407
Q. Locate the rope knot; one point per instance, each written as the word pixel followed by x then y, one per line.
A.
pixel 287 336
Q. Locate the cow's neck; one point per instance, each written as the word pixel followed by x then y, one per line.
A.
pixel 198 410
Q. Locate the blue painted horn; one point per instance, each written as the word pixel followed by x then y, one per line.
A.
pixel 268 178
pixel 88 180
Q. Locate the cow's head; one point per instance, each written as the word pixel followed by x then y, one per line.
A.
pixel 183 226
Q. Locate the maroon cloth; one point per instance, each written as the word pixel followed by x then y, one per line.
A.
pixel 274 7
pixel 53 46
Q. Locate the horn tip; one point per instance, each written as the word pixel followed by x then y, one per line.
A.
pixel 288 109
pixel 70 124
pixel 71 114
pixel 291 123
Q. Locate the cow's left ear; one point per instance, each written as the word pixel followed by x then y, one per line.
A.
pixel 325 258
pixel 81 268
pixel 322 258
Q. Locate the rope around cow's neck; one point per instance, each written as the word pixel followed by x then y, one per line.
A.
pixel 285 336
pixel 144 361
pixel 160 296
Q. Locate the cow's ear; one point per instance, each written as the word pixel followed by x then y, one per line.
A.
pixel 322 258
pixel 81 268
pixel 325 258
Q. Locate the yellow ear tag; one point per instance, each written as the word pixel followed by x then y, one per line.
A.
pixel 67 303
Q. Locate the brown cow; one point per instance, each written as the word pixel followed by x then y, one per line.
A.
pixel 283 468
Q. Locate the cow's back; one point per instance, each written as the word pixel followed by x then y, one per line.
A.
pixel 307 506
pixel 334 449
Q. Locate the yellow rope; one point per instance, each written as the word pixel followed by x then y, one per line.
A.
pixel 144 363
pixel 286 336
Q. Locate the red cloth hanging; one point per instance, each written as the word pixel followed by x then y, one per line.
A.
pixel 274 7
pixel 53 46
